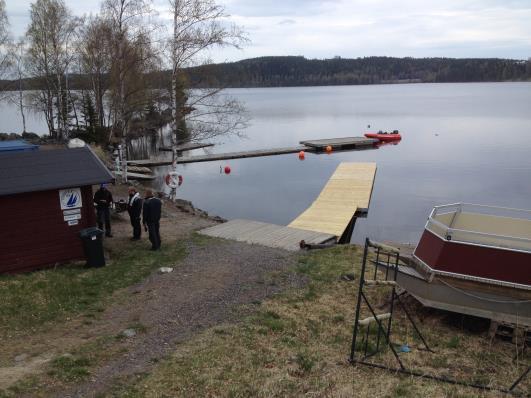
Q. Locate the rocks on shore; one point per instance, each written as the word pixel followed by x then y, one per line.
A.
pixel 187 207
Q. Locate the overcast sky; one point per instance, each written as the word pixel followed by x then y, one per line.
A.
pixel 357 28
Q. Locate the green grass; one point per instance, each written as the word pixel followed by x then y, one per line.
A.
pixel 297 343
pixel 31 300
pixel 69 368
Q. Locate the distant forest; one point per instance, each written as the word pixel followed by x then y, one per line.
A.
pixel 299 71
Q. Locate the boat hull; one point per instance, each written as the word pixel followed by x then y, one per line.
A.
pixel 474 261
pixel 446 293
pixel 384 137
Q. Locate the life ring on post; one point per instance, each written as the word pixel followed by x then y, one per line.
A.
pixel 173 180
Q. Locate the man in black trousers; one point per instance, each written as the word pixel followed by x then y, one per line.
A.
pixel 151 218
pixel 134 208
pixel 103 201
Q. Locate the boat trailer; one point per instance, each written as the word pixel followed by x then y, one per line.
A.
pixel 378 256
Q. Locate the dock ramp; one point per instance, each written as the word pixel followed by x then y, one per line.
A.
pixel 271 235
pixel 348 191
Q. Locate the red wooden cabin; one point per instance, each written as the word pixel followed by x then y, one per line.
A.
pixel 45 200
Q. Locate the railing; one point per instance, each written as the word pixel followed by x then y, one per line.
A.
pixel 475 237
pixel 481 209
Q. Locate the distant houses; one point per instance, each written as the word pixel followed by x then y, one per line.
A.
pixel 46 199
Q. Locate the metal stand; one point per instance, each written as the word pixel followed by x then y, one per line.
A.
pixel 387 258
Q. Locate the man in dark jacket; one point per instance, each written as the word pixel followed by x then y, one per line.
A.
pixel 103 201
pixel 134 208
pixel 151 218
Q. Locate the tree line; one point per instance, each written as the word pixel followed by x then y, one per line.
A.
pixel 299 71
pixel 88 73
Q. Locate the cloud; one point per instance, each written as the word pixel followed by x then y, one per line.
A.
pixel 287 22
pixel 357 28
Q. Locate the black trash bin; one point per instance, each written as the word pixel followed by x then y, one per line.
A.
pixel 92 239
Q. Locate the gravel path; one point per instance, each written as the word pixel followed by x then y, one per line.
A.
pixel 204 290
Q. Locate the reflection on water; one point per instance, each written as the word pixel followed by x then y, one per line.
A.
pixel 461 143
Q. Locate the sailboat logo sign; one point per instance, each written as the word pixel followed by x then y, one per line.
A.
pixel 70 198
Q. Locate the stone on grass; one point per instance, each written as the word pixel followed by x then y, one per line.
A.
pixel 348 277
pixel 129 333
pixel 21 357
pixel 165 270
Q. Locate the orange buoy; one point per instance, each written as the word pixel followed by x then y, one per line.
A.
pixel 328 149
pixel 302 155
pixel 227 169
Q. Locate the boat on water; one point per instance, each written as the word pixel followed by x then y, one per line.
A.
pixel 385 136
pixel 475 260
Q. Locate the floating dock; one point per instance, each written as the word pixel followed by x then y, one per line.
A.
pixel 337 144
pixel 330 218
pixel 341 143
pixel 347 192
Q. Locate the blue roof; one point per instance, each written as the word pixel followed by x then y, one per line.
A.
pixel 17 145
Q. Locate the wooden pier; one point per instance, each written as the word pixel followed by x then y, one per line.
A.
pixel 347 192
pixel 337 144
pixel 271 235
pixel 341 143
pixel 135 176
pixel 330 218
pixel 189 146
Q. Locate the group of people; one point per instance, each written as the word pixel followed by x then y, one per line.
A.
pixel 144 212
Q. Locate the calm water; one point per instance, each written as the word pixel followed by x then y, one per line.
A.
pixel 461 143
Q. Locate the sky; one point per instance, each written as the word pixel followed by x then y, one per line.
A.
pixel 357 28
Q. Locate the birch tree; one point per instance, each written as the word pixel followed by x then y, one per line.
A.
pixel 18 73
pixel 96 61
pixel 130 49
pixel 200 25
pixel 5 44
pixel 50 36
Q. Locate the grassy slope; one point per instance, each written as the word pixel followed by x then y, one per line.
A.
pixel 29 301
pixel 298 344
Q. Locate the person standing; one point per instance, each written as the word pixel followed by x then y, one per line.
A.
pixel 134 208
pixel 103 201
pixel 151 218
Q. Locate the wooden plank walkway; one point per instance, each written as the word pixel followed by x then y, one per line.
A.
pixel 347 191
pixel 352 143
pixel 341 143
pixel 189 146
pixel 135 176
pixel 271 235
pixel 224 156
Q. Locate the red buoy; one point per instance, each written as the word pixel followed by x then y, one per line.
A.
pixel 302 155
pixel 328 149
pixel 227 169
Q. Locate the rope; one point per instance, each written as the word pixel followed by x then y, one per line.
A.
pixel 483 298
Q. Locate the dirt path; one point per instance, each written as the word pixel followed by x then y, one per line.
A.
pixel 207 287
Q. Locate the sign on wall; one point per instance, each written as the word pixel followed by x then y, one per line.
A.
pixel 70 198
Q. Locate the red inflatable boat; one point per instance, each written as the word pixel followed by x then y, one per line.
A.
pixel 385 137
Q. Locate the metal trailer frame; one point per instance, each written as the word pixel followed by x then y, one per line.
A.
pixel 391 257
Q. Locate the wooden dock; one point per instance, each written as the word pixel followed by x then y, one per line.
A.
pixel 135 176
pixel 330 218
pixel 341 143
pixel 348 191
pixel 224 156
pixel 271 235
pixel 337 144
pixel 189 146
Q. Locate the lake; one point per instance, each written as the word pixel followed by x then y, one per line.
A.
pixel 461 143
pixel 466 142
